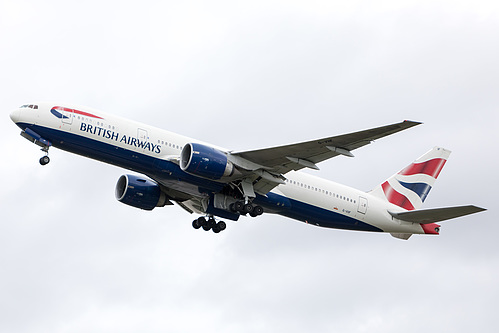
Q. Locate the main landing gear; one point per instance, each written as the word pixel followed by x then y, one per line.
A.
pixel 246 208
pixel 209 224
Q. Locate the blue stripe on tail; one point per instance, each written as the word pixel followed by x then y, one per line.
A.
pixel 421 189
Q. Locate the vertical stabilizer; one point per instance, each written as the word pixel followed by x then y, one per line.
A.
pixel 410 187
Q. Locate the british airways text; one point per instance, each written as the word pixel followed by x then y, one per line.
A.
pixel 109 134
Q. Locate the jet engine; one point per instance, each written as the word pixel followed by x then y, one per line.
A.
pixel 139 192
pixel 203 161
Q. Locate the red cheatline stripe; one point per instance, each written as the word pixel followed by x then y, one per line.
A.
pixel 431 168
pixel 86 114
pixel 395 197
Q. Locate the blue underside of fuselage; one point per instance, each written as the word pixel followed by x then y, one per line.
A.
pixel 160 169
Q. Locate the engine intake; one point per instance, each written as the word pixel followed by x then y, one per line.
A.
pixel 139 192
pixel 204 161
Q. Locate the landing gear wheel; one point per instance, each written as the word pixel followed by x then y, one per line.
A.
pixel 219 227
pixel 202 222
pixel 198 223
pixel 44 160
pixel 257 210
pixel 248 208
pixel 237 206
pixel 209 224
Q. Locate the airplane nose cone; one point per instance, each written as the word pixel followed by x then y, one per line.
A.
pixel 14 115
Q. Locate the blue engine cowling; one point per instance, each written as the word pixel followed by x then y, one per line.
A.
pixel 203 161
pixel 139 192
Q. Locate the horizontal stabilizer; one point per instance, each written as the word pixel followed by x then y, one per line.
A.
pixel 425 216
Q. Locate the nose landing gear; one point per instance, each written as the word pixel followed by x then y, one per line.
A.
pixel 45 159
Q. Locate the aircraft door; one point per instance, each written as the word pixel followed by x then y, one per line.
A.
pixel 362 205
pixel 142 135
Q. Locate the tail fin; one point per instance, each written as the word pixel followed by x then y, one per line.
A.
pixel 410 187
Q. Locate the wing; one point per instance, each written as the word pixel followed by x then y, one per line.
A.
pixel 306 154
pixel 271 163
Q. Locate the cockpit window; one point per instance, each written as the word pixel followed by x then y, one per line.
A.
pixel 31 106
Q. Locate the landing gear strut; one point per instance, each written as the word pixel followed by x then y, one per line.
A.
pixel 209 224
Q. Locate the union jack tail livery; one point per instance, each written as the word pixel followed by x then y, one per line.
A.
pixel 410 187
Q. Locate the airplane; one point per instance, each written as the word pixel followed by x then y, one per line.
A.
pixel 215 182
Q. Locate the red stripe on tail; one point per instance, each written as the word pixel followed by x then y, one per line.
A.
pixel 431 168
pixel 395 197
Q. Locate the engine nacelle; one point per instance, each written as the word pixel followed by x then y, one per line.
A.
pixel 204 161
pixel 139 192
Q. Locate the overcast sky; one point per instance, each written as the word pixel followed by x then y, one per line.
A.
pixel 247 75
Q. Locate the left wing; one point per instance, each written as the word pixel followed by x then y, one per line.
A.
pixel 269 164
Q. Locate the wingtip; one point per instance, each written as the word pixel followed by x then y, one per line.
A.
pixel 412 123
pixel 480 209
